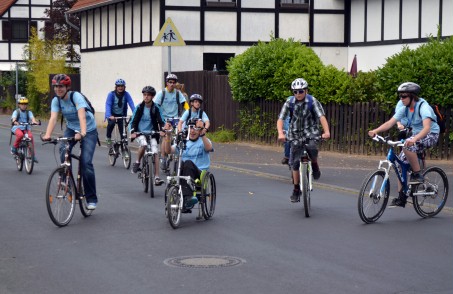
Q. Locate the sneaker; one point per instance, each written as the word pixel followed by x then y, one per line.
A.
pixel 163 164
pixel 158 181
pixel 400 201
pixel 109 143
pixel 416 178
pixel 296 196
pixel 135 167
pixel 316 174
pixel 13 150
pixel 186 210
pixel 285 160
pixel 35 160
pixel 91 206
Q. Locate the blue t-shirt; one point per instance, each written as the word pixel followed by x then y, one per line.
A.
pixel 415 119
pixel 69 111
pixel 169 107
pixel 185 116
pixel 196 153
pixel 145 124
pixel 22 119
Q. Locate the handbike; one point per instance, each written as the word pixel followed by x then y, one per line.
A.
pixel 428 198
pixel 62 190
pixel 204 188
pixel 120 145
pixel 25 151
pixel 305 173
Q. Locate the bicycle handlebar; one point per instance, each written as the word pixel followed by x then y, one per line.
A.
pixel 378 138
pixel 28 124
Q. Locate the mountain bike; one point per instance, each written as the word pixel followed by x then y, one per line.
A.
pixel 171 160
pixel 204 188
pixel 25 151
pixel 305 173
pixel 146 172
pixel 62 191
pixel 428 198
pixel 120 145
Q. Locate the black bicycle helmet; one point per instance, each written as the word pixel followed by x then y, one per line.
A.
pixel 149 89
pixel 196 97
pixel 409 87
pixel 192 121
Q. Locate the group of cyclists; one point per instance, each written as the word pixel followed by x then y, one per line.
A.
pixel 302 113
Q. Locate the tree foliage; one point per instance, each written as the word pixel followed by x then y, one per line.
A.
pixel 42 59
pixel 60 30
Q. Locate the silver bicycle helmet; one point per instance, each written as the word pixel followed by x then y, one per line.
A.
pixel 196 97
pixel 171 77
pixel 299 84
pixel 409 87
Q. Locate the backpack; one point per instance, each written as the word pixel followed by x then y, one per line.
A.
pixel 18 114
pixel 90 107
pixel 440 118
pixel 177 101
pixel 200 114
pixel 292 103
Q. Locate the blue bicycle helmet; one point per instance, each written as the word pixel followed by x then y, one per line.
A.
pixel 120 82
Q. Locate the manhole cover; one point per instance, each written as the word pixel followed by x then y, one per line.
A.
pixel 204 261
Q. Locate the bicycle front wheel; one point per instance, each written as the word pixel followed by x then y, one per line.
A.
pixel 83 201
pixel 112 155
pixel 19 160
pixel 431 196
pixel 126 154
pixel 29 158
pixel 373 196
pixel 151 175
pixel 60 196
pixel 145 174
pixel 174 206
pixel 305 189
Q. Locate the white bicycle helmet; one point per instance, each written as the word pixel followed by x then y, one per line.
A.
pixel 299 84
pixel 171 77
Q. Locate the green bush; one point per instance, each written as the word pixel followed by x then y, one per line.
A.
pixel 222 135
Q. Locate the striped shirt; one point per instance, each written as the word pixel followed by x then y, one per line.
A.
pixel 304 123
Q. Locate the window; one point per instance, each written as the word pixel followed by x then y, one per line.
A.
pixel 221 3
pixel 294 3
pixel 217 59
pixel 17 30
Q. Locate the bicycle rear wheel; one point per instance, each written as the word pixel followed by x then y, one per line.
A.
pixel 112 155
pixel 431 196
pixel 60 196
pixel 208 195
pixel 151 175
pixel 305 189
pixel 373 196
pixel 145 174
pixel 126 154
pixel 29 158
pixel 83 201
pixel 174 206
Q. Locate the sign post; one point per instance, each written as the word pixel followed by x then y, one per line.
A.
pixel 169 36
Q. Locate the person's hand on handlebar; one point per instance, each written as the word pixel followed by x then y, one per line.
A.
pixel 44 137
pixel 372 133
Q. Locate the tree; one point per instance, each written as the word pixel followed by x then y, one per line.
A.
pixel 60 30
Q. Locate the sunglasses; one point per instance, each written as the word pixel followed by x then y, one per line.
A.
pixel 59 86
pixel 403 96
pixel 171 82
pixel 298 91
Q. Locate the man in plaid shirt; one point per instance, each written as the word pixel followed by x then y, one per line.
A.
pixel 305 113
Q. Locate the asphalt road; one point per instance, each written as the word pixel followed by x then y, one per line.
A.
pixel 127 244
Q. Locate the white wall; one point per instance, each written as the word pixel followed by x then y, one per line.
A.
pixel 257 26
pixel 294 26
pixel 220 26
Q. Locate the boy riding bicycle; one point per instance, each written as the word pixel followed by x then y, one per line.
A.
pixel 418 115
pixel 22 115
pixel 195 111
pixel 305 113
pixel 147 118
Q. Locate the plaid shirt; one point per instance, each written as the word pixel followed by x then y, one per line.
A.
pixel 304 124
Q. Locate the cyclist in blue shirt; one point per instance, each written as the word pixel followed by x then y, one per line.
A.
pixel 195 111
pixel 418 115
pixel 81 125
pixel 196 155
pixel 116 106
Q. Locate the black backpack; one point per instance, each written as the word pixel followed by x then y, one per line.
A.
pixel 200 114
pixel 90 107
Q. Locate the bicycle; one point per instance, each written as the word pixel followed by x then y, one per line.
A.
pixel 168 159
pixel 205 191
pixel 305 175
pixel 146 172
pixel 428 198
pixel 25 152
pixel 62 190
pixel 120 146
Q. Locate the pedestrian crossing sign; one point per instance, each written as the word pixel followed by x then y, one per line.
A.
pixel 169 35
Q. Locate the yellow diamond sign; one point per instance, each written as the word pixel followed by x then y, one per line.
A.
pixel 169 35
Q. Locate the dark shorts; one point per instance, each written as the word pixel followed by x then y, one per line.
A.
pixel 297 152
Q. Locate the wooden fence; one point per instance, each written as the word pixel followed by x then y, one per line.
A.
pixel 348 123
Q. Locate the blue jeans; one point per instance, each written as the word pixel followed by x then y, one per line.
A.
pixel 287 147
pixel 88 145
